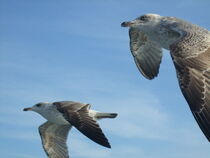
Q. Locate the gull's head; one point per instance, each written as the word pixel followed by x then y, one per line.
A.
pixel 39 107
pixel 144 22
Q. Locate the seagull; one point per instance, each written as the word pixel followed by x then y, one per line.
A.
pixel 61 116
pixel 189 46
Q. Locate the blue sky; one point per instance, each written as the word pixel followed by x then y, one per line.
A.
pixel 76 50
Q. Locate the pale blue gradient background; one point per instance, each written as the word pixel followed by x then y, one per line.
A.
pixel 76 50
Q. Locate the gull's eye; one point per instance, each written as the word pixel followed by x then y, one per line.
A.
pixel 143 18
pixel 38 105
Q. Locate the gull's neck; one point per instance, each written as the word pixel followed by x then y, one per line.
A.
pixel 163 36
pixel 53 115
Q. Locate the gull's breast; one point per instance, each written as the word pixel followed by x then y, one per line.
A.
pixel 55 117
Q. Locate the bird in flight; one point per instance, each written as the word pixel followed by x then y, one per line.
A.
pixel 61 116
pixel 189 46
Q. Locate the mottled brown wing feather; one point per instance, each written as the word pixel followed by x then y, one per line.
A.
pixel 68 106
pixel 147 55
pixel 54 139
pixel 77 114
pixel 86 125
pixel 194 80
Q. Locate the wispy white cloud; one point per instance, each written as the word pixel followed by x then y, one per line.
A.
pixel 23 134
pixel 79 148
pixel 143 117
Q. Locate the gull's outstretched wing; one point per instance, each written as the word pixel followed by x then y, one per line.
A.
pixel 193 72
pixel 54 139
pixel 78 115
pixel 147 55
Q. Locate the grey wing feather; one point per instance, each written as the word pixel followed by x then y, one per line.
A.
pixel 147 55
pixel 194 79
pixel 54 139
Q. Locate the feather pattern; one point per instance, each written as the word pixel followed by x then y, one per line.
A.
pixel 147 54
pixel 54 138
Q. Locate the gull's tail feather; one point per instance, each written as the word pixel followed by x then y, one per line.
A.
pixel 100 115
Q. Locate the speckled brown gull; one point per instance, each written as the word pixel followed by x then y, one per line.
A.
pixel 61 117
pixel 189 46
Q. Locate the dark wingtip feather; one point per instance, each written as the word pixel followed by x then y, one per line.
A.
pixel 107 145
pixel 113 115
